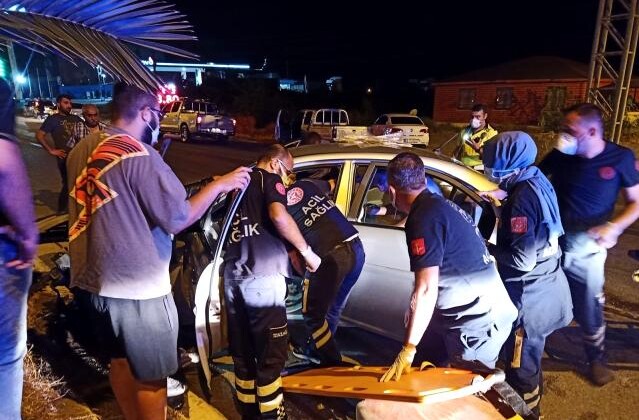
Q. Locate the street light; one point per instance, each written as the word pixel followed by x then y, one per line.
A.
pixel 20 79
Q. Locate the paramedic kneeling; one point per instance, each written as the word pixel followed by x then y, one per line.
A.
pixel 454 274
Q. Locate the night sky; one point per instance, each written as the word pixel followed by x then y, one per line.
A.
pixel 394 39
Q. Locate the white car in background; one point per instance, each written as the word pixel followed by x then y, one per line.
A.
pixel 412 128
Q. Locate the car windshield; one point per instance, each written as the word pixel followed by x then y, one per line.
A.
pixel 406 120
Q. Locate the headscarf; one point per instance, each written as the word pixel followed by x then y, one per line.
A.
pixel 516 151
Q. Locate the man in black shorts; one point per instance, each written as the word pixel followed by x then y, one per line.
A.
pixel 337 242
pixel 125 203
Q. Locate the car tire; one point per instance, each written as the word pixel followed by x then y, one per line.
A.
pixel 185 135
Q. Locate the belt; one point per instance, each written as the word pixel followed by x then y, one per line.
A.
pixel 344 243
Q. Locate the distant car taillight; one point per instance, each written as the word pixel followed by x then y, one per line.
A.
pixel 234 122
pixel 199 119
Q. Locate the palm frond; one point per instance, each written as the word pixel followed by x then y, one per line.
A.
pixel 97 32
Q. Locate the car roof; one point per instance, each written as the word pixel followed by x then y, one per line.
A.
pixel 336 151
pixel 402 115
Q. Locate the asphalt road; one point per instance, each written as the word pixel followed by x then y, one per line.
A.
pixel 568 395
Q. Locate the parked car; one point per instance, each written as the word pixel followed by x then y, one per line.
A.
pixel 38 108
pixel 378 301
pixel 412 128
pixel 194 117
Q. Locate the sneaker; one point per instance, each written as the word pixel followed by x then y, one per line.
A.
pixel 305 353
pixel 174 387
pixel 600 373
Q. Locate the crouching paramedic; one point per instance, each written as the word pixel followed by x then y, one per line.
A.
pixel 337 242
pixel 528 258
pixel 454 274
pixel 256 263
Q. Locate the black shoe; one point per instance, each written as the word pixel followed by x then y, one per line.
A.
pixel 305 353
pixel 600 373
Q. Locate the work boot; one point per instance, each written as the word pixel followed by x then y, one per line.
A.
pixel 600 373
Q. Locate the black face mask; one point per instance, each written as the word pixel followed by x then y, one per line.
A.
pixel 147 137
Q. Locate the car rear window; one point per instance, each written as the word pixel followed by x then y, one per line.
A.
pixel 406 121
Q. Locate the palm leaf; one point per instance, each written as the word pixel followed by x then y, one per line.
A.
pixel 97 32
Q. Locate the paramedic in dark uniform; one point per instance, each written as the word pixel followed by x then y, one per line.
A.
pixel 528 258
pixel 454 274
pixel 256 263
pixel 337 242
pixel 588 172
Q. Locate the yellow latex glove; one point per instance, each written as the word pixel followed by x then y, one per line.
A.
pixel 401 365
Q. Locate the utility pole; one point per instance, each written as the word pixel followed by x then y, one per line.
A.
pixel 14 67
pixel 39 86
pixel 612 59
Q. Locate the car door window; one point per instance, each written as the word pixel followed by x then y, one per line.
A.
pixel 176 106
pixel 330 173
pixel 360 172
pixel 307 118
pixel 377 207
pixel 343 118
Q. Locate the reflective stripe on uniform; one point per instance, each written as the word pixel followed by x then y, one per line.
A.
pixel 250 384
pixel 532 398
pixel 245 398
pixel 272 404
pixel 321 331
pixel 320 343
pixel 597 338
pixel 305 294
pixel 266 390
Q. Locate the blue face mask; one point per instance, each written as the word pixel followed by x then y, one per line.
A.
pixel 499 175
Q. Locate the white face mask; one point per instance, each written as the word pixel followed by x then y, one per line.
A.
pixel 155 133
pixel 566 143
pixel 475 123
pixel 500 175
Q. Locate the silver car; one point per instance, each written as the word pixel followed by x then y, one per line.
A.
pixel 380 297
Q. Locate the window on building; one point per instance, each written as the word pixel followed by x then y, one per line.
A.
pixel 466 98
pixel 504 98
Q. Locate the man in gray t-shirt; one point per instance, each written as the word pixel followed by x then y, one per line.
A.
pixel 59 126
pixel 125 203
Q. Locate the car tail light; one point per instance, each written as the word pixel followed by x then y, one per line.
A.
pixel 234 122
pixel 199 119
pixel 424 130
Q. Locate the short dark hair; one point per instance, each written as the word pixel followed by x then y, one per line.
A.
pixel 128 100
pixel 586 111
pixel 275 151
pixel 406 172
pixel 479 107
pixel 63 96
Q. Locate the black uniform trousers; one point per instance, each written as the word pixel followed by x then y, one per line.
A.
pixel 320 291
pixel 258 341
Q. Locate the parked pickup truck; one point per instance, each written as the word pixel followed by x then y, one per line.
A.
pixel 194 117
pixel 333 124
pixel 329 123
